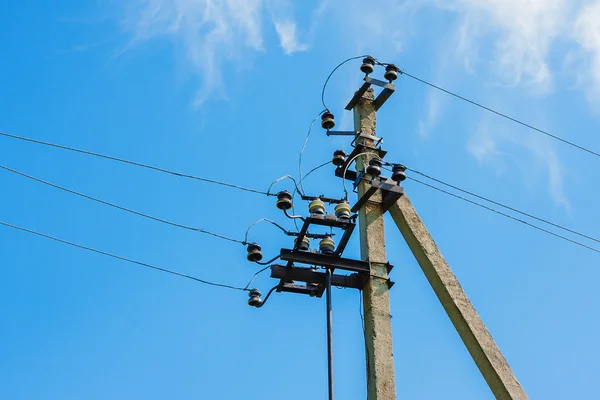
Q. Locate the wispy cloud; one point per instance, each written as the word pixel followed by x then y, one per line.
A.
pixel 282 16
pixel 495 146
pixel 288 39
pixel 521 32
pixel 209 32
pixel 587 33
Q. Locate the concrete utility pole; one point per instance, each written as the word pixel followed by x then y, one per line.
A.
pixel 381 383
pixel 470 327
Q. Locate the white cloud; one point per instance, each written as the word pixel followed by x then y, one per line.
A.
pixel 494 146
pixel 210 32
pixel 286 30
pixel 587 33
pixel 522 33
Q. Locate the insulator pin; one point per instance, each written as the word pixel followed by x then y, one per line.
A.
pixel 327 121
pixel 305 245
pixel 317 207
pixel 339 158
pixel 342 210
pixel 254 300
pixel 391 72
pixel 398 173
pixel 254 252
pixel 374 168
pixel 327 245
pixel 367 65
pixel 284 200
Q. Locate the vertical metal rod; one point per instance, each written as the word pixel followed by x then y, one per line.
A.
pixel 329 336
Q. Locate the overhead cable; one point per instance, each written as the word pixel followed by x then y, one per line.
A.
pixel 505 206
pixel 505 215
pixel 120 207
pixel 135 163
pixel 122 258
pixel 572 144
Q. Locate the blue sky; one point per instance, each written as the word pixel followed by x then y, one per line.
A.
pixel 226 90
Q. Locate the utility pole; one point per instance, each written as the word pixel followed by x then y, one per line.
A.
pixel 381 383
pixel 468 324
pixel 376 195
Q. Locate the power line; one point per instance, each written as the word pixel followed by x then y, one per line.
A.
pixel 308 174
pixel 263 220
pixel 122 258
pixel 119 207
pixel 504 206
pixel 255 275
pixel 302 150
pixel 501 114
pixel 331 73
pixel 137 164
pixel 505 215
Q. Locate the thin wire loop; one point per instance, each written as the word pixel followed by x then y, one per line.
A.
pixel 258 222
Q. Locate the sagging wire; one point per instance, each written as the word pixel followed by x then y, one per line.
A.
pixel 129 260
pixel 346 170
pixel 255 275
pixel 504 206
pixel 302 178
pixel 258 222
pixel 118 207
pixel 268 262
pixel 294 217
pixel 301 190
pixel 135 163
pixel 267 296
pixel 276 181
pixel 505 215
pixel 331 73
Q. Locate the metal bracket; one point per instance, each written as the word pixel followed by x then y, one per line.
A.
pixel 390 193
pixel 359 177
pixel 288 276
pixel 360 148
pixel 388 90
pixel 329 220
pixel 376 140
pixel 342 133
pixel 324 260
pixel 323 199
pixel 310 235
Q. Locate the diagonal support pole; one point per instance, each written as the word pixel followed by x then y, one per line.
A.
pixel 470 327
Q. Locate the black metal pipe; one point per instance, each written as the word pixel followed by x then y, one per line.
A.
pixel 329 336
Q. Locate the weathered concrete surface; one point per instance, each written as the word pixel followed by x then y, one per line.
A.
pixel 381 384
pixel 467 322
